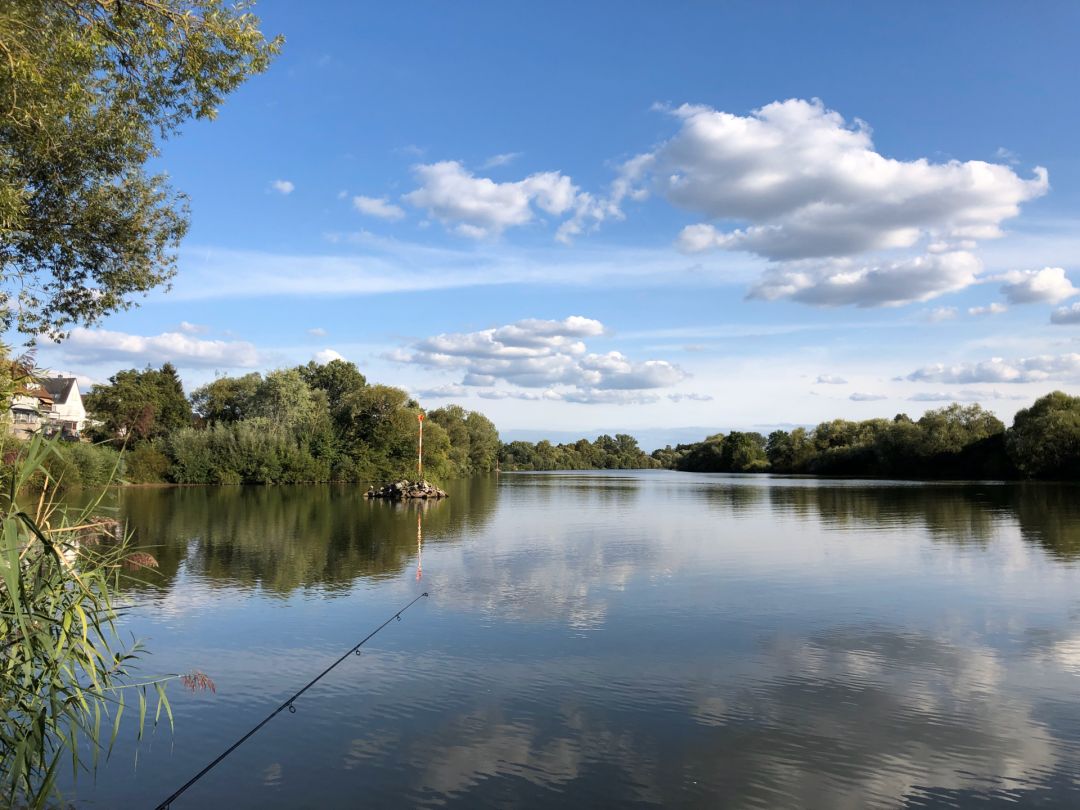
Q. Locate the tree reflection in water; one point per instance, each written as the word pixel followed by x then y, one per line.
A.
pixel 284 538
pixel 621 639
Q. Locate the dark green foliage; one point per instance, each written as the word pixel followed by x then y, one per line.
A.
pixel 253 451
pixel 744 452
pixel 474 441
pixel 339 379
pixel 76 464
pixel 146 464
pixel 136 406
pixel 736 452
pixel 326 423
pixel 309 424
pixel 484 443
pixel 226 399
pixel 955 441
pixel 705 456
pixel 606 453
pixel 1044 440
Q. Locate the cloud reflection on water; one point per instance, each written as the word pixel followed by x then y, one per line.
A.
pixel 654 639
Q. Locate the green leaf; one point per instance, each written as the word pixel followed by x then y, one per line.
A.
pixel 142 711
pixel 116 725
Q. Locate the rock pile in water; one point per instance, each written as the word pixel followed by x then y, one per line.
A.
pixel 403 490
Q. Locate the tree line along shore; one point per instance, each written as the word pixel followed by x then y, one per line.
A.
pixel 327 423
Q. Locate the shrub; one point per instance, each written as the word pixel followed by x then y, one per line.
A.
pixel 74 465
pixel 146 464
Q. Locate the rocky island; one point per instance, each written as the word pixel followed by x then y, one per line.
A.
pixel 407 490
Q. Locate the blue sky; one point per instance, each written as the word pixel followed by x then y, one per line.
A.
pixel 637 216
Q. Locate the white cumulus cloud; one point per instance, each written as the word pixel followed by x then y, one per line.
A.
pixel 325 356
pixel 830 379
pixel 284 187
pixel 100 345
pixel 542 359
pixel 998 370
pixel 480 207
pixel 839 282
pixel 1066 315
pixel 1049 285
pixel 797 184
pixel 448 391
pixel 807 184
pixel 378 207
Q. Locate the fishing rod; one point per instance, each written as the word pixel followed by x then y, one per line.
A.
pixel 288 704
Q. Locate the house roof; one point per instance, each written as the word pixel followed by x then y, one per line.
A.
pixel 37 392
pixel 59 388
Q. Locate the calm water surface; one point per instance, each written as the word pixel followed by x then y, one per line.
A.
pixel 615 639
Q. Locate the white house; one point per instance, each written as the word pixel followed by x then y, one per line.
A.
pixel 54 405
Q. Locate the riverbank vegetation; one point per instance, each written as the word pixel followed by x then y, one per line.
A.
pixel 65 675
pixel 605 453
pixel 953 442
pixel 312 423
pixel 325 422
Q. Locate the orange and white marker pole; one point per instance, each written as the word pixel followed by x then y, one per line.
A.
pixel 420 448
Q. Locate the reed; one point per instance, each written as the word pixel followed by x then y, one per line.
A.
pixel 66 679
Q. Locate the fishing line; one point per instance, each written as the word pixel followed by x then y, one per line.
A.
pixel 288 704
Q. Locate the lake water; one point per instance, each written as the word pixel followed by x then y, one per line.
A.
pixel 614 639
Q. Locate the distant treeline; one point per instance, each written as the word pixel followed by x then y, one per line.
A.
pixel 606 453
pixel 312 423
pixel 325 422
pixel 951 442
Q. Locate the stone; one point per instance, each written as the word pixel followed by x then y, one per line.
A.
pixel 407 490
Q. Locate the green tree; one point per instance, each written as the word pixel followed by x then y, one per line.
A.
pixel 87 90
pixel 483 442
pixel 900 446
pixel 706 456
pixel 474 441
pixel 227 399
pixel 780 451
pixel 518 455
pixel 285 399
pixel 137 405
pixel 952 428
pixel 338 378
pixel 381 439
pixel 744 452
pixel 451 418
pixel 1044 440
